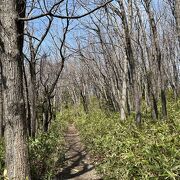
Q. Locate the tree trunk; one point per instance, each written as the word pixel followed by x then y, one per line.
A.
pixel 124 91
pixel 153 100
pixel 28 109
pixel 154 108
pixel 33 95
pixel 1 101
pixel 149 70
pixel 47 115
pixel 177 16
pixel 175 81
pixel 11 45
pixel 131 60
pixel 84 102
pixel 158 55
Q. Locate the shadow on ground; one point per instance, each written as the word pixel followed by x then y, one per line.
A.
pixel 77 161
pixel 77 165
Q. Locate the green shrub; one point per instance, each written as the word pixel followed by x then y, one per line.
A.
pixel 126 151
pixel 43 150
pixel 47 150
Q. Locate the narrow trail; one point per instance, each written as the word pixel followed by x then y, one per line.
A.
pixel 79 166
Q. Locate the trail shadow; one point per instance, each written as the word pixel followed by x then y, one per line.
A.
pixel 75 159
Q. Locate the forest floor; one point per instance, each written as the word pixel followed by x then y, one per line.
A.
pixel 79 165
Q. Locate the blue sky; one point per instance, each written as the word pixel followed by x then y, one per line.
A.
pixel 57 27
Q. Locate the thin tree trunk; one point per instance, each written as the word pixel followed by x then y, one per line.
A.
pixel 177 16
pixel 45 117
pixel 47 113
pixel 28 110
pixel 11 45
pixel 149 92
pixel 175 81
pixel 1 101
pixel 131 60
pixel 158 56
pixel 84 102
pixel 124 91
pixel 33 95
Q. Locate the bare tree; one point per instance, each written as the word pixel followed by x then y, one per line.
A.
pixel 157 54
pixel 11 38
pixel 1 100
pixel 177 16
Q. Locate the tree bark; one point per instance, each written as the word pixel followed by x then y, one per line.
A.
pixel 177 16
pixel 28 109
pixel 11 45
pixel 84 102
pixel 124 91
pixel 47 112
pixel 1 101
pixel 33 95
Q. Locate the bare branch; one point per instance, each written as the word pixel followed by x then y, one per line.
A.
pixel 49 13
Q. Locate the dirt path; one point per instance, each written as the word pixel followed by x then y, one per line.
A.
pixel 79 166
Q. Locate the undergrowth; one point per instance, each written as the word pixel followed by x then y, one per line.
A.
pixel 47 150
pixel 125 151
pixel 122 149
